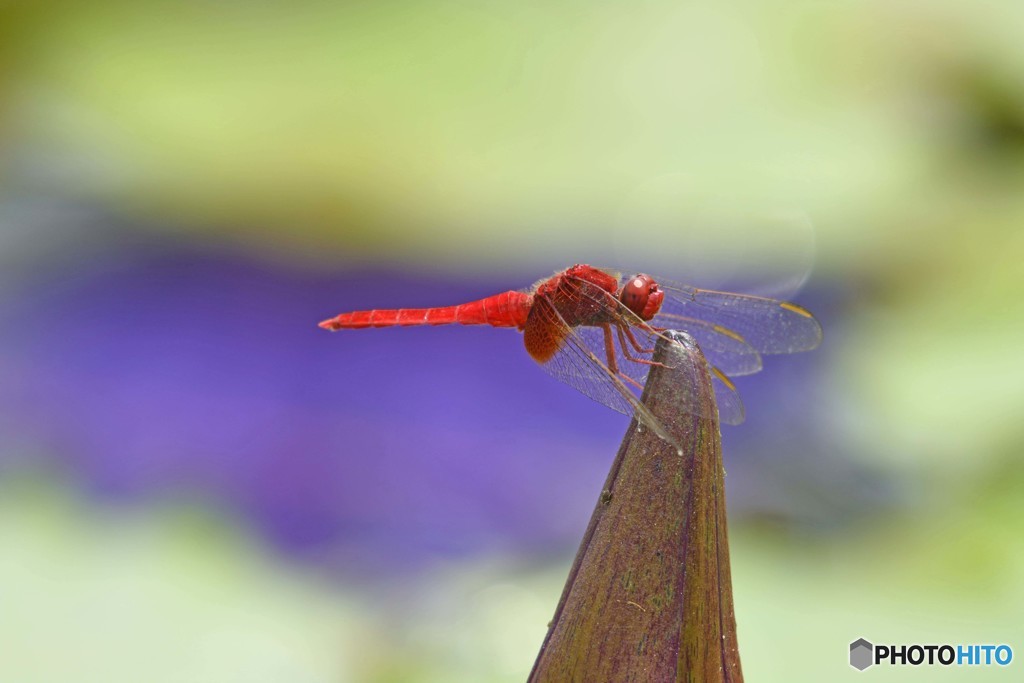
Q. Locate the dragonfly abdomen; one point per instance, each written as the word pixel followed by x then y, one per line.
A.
pixel 508 309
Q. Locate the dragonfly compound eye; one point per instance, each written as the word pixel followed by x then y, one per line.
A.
pixel 642 295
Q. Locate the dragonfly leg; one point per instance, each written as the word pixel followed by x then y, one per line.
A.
pixel 633 341
pixel 625 348
pixel 609 348
pixel 613 363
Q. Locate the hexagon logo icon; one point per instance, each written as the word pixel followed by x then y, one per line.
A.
pixel 861 654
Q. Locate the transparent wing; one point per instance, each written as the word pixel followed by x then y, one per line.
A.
pixel 724 348
pixel 767 326
pixel 734 330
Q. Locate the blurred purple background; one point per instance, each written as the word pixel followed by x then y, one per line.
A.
pixel 171 370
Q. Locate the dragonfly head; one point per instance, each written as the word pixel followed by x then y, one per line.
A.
pixel 642 295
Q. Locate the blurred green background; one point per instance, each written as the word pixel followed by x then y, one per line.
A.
pixel 357 153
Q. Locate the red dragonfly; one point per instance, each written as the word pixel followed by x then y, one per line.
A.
pixel 595 330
